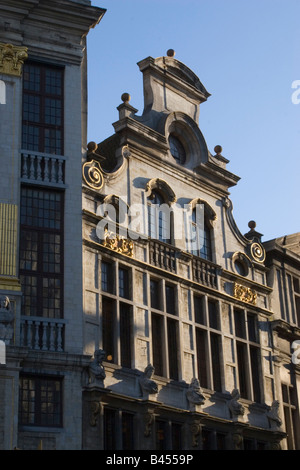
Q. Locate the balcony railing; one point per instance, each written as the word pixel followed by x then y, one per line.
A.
pixel 162 256
pixel 205 272
pixel 42 168
pixel 42 334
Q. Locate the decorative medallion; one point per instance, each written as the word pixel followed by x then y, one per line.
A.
pixel 245 294
pixel 92 174
pixel 12 58
pixel 257 252
pixel 117 243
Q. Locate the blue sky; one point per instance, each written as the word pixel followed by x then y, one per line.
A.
pixel 247 55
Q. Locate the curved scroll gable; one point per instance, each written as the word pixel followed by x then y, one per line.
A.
pixel 210 214
pixel 157 184
pixel 227 203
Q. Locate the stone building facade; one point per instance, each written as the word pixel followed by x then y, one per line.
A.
pixel 42 145
pixel 134 314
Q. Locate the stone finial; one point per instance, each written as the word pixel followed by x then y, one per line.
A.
pixel 273 415
pixel 170 53
pixel 125 97
pixel 235 407
pixel 218 149
pixel 194 394
pixel 96 369
pixel 252 225
pixel 148 385
pixel 6 320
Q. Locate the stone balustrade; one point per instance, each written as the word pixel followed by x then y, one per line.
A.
pixel 43 334
pixel 42 168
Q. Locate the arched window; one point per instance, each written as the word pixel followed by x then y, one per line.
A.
pixel 159 223
pixel 200 236
pixel 177 149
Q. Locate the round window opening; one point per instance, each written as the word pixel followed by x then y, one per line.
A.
pixel 240 268
pixel 177 149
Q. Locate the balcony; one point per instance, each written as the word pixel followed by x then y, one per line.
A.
pixel 162 256
pixel 205 272
pixel 42 168
pixel 42 334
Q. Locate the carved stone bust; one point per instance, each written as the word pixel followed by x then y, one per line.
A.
pixel 235 407
pixel 96 368
pixel 148 385
pixel 273 415
pixel 194 394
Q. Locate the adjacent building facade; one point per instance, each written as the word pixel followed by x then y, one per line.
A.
pixel 134 313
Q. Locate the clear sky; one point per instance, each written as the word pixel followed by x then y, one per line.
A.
pixel 247 55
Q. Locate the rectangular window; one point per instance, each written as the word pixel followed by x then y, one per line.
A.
pixel 170 299
pixel 125 334
pixel 41 252
pixel 154 294
pixel 160 435
pixel 107 279
pixel 241 351
pixel 199 310
pixel 127 431
pixel 108 328
pixel 216 365
pixel 42 120
pixel 176 431
pixel 124 288
pixel 40 401
pixel 109 429
pixel 213 314
pixel 255 371
pixel 239 322
pixel 157 343
pixel 172 348
pixel 201 344
pixel 289 398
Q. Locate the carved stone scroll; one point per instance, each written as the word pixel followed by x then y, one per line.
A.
pixel 12 59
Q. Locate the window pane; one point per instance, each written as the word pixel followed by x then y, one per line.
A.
pixel 239 321
pixel 127 431
pixel 154 294
pixel 157 343
pixel 201 341
pixel 216 364
pixel 107 284
pixel 109 423
pixel 213 314
pixel 242 368
pixel 124 283
pixel 108 328
pixel 172 348
pixel 199 311
pixel 125 334
pixel 170 300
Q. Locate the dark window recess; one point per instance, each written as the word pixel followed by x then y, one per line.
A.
pixel 125 334
pixel 241 360
pixel 108 327
pixel 40 401
pixel 255 369
pixel 154 294
pixel 172 348
pixel 239 321
pixel 157 343
pixel 124 288
pixel 213 315
pixel 176 431
pixel 177 149
pixel 41 252
pixel 107 279
pixel 127 431
pixel 216 365
pixel 252 328
pixel 201 340
pixel 199 311
pixel 43 114
pixel 170 300
pixel 160 433
pixel 109 424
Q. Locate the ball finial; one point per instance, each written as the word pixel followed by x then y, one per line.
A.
pixel 125 97
pixel 170 53
pixel 252 224
pixel 218 149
